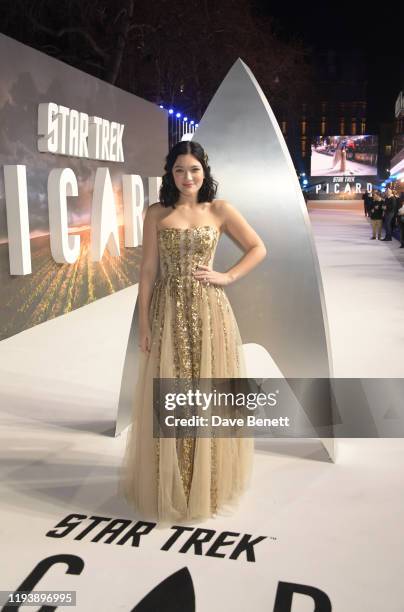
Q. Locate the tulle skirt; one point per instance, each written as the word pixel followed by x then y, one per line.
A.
pixel 194 334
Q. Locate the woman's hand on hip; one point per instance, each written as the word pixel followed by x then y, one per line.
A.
pixel 206 275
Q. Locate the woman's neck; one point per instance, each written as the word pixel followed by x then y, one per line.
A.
pixel 187 203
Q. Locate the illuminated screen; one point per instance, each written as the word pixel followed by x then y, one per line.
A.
pixel 397 161
pixel 344 156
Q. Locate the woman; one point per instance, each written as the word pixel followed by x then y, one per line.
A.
pixel 389 208
pixel 375 211
pixel 187 330
pixel 339 155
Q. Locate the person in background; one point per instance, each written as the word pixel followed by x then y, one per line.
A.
pixel 400 221
pixel 367 197
pixel 375 212
pixel 341 146
pixel 397 205
pixel 389 208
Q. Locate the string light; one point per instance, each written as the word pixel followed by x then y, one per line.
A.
pixel 178 114
pixel 179 129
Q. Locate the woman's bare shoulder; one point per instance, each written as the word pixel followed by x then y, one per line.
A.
pixel 156 208
pixel 155 211
pixel 220 204
pixel 222 208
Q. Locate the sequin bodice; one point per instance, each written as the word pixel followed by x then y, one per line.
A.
pixel 183 249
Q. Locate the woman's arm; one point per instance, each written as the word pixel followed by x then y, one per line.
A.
pixel 254 249
pixel 149 263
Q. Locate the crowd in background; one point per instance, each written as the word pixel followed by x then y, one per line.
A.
pixel 385 210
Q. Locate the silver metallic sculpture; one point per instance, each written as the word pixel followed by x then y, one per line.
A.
pixel 280 304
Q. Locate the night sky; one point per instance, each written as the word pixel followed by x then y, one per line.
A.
pixel 346 26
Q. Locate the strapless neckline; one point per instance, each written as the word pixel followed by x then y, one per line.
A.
pixel 188 229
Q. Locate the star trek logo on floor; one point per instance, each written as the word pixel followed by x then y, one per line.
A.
pixel 173 593
pixel 192 540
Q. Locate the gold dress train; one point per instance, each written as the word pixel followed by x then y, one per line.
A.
pixel 194 334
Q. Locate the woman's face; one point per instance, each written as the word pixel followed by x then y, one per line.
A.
pixel 188 174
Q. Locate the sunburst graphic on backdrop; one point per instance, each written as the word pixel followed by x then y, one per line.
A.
pixel 54 289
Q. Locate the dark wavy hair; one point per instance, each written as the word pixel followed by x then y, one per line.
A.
pixel 169 193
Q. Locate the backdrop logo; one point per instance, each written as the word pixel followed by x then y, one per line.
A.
pixel 66 131
pixel 343 185
pixel 81 159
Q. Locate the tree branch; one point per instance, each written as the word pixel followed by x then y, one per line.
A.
pixel 59 33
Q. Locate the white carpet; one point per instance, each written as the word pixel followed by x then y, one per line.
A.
pixel 334 527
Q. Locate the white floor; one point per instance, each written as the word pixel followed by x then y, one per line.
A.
pixel 364 290
pixel 337 527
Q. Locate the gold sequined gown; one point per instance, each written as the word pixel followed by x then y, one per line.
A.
pixel 194 334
